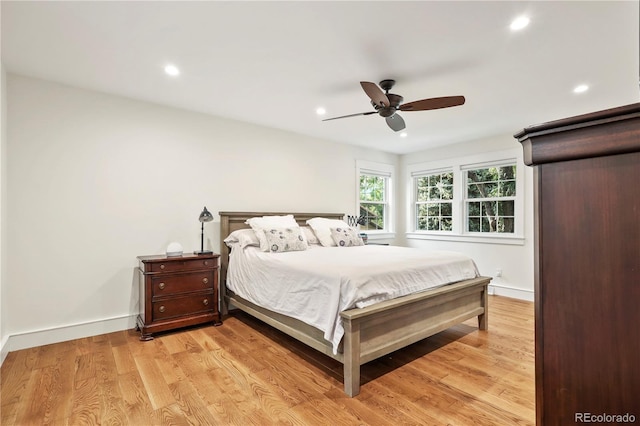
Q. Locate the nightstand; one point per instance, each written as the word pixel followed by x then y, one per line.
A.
pixel 177 292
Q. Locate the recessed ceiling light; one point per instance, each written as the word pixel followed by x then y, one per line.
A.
pixel 403 134
pixel 519 23
pixel 172 70
pixel 321 111
pixel 581 88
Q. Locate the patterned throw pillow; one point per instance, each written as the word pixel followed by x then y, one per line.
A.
pixel 346 237
pixel 285 239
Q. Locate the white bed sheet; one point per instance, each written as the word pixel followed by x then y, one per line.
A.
pixel 315 285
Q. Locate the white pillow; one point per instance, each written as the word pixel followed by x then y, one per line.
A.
pixel 243 238
pixel 346 237
pixel 259 224
pixel 322 228
pixel 308 235
pixel 285 239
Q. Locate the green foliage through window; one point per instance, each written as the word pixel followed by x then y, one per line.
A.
pixel 490 199
pixel 434 198
pixel 373 201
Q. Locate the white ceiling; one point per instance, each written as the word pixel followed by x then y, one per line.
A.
pixel 274 63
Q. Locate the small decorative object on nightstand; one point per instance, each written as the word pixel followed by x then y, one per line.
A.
pixel 177 291
pixel 205 216
pixel 174 249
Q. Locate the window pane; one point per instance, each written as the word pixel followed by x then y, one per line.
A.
pixel 446 224
pixel 493 184
pixel 508 188
pixel 422 188
pixel 505 208
pixel 447 192
pixel 372 188
pixel 373 216
pixel 433 209
pixel 473 209
pixel 445 209
pixel 473 191
pixel 447 178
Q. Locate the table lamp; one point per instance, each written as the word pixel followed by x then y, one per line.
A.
pixel 205 216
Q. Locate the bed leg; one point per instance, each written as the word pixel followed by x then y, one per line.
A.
pixel 351 350
pixel 483 319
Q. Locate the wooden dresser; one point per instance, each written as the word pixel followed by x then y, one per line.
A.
pixel 587 263
pixel 177 292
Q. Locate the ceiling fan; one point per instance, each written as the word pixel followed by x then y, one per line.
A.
pixel 387 104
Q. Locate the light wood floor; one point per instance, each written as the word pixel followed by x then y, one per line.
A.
pixel 245 372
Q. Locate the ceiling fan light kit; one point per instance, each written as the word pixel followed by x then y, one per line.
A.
pixel 388 104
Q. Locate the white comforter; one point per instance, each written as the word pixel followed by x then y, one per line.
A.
pixel 315 285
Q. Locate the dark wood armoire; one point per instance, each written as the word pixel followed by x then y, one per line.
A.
pixel 587 265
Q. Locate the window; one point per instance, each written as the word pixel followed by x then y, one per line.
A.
pixel 476 198
pixel 490 199
pixel 374 196
pixel 434 202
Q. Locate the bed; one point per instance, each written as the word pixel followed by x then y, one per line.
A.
pixel 372 331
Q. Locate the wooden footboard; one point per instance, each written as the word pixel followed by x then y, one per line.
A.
pixel 385 327
pixel 373 331
pixel 388 326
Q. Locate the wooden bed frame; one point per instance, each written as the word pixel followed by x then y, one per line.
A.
pixel 373 331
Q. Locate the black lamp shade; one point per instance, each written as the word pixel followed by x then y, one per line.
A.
pixel 205 216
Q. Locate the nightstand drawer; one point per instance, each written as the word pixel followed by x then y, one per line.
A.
pixel 182 283
pixel 181 265
pixel 182 306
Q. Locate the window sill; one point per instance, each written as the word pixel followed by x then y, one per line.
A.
pixel 379 235
pixel 468 238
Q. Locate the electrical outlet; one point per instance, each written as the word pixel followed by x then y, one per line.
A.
pixel 498 273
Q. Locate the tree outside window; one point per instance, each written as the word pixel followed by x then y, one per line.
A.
pixel 490 199
pixel 373 202
pixel 434 202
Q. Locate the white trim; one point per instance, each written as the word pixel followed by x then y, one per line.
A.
pixel 383 170
pixel 380 235
pixel 4 349
pixel 30 339
pixel 458 166
pixel 513 292
pixel 468 238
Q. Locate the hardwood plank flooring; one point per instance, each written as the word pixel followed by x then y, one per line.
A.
pixel 247 373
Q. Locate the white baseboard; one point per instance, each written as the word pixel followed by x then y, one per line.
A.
pixel 4 348
pixel 513 292
pixel 35 338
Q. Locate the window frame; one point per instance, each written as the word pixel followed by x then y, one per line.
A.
pixel 416 202
pixel 459 166
pixel 465 198
pixel 386 171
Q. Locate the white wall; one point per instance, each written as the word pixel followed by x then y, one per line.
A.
pixel 94 180
pixel 3 206
pixel 515 261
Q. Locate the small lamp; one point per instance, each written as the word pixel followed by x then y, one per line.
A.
pixel 205 216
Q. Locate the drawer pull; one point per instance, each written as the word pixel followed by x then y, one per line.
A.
pixel 161 308
pixel 161 286
pixel 205 281
pixel 206 263
pixel 205 302
pixel 161 266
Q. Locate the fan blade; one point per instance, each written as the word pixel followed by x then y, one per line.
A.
pixel 395 122
pixel 375 93
pixel 351 115
pixel 432 103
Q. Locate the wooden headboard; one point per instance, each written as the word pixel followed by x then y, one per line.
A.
pixel 232 221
